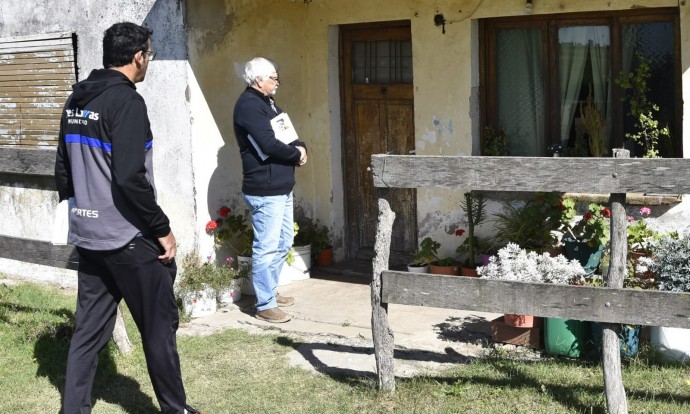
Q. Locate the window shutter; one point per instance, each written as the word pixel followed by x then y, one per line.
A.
pixel 36 77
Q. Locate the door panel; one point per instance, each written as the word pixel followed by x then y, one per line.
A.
pixel 378 118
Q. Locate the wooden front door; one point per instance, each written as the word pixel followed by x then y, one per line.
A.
pixel 378 107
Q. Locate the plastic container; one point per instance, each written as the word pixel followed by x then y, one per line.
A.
pixel 629 339
pixel 674 343
pixel 589 257
pixel 566 337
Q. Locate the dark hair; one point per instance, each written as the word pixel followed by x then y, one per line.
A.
pixel 122 41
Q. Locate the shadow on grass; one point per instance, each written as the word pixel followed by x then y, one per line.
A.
pixel 569 396
pixel 346 367
pixel 7 308
pixel 50 352
pixel 347 360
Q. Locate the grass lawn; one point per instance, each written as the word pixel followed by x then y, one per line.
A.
pixel 236 372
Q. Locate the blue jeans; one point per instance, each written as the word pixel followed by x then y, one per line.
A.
pixel 272 222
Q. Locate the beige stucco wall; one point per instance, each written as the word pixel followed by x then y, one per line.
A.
pixel 28 212
pixel 302 37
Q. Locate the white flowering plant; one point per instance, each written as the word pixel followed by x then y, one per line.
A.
pixel 517 264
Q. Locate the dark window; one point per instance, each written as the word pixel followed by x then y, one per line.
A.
pixel 542 75
pixel 382 61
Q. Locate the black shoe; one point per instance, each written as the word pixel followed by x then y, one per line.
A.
pixel 191 410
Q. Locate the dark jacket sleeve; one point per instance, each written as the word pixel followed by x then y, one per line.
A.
pixel 254 117
pixel 129 135
pixel 63 173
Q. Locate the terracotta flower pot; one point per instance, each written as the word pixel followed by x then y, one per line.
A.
pixel 518 321
pixel 325 257
pixel 468 271
pixel 453 270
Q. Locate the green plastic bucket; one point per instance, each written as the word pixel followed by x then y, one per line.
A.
pixel 566 337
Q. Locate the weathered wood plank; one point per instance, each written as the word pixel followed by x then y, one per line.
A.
pixel 37 76
pixel 27 161
pixel 34 116
pixel 35 100
pixel 628 306
pixel 31 133
pixel 39 252
pixel 37 82
pixel 532 174
pixel 32 60
pixel 34 70
pixel 35 37
pixel 48 54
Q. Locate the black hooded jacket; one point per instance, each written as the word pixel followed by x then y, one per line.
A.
pixel 276 174
pixel 104 161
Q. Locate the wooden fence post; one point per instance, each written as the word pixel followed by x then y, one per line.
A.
pixel 124 345
pixel 616 400
pixel 381 331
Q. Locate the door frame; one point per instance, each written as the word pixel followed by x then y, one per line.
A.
pixel 350 240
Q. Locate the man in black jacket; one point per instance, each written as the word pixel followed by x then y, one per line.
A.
pixel 125 244
pixel 268 169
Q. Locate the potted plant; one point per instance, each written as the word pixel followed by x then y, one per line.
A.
pixel 201 284
pixel 318 235
pixel 517 264
pixel 586 239
pixel 640 235
pixel 495 143
pixel 595 125
pixel 446 266
pixel 227 281
pixel 428 249
pixel 443 266
pixel 642 110
pixel 670 262
pixel 321 245
pixel 196 288
pixel 531 225
pixel 232 230
pixel 298 260
pixel 235 232
pixel 474 206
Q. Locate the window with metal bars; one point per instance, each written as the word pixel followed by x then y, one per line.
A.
pixel 36 76
pixel 382 61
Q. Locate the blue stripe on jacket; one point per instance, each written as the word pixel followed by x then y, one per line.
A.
pixel 95 142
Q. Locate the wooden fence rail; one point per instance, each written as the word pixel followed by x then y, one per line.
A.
pixel 611 305
pixel 34 168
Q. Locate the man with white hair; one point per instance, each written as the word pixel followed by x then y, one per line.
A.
pixel 268 169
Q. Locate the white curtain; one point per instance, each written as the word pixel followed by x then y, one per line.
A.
pixel 574 43
pixel 521 90
pixel 599 53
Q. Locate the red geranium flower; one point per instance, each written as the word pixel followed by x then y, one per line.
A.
pixel 210 226
pixel 224 212
pixel 459 232
pixel 606 212
pixel 587 216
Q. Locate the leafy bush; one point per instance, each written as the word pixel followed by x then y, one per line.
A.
pixel 670 262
